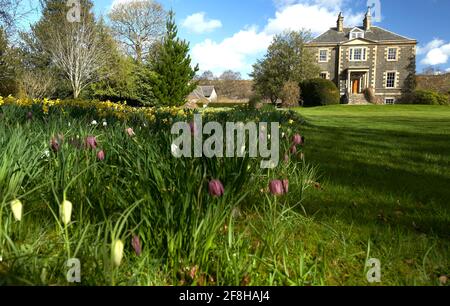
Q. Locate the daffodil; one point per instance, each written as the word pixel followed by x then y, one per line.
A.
pixel 16 207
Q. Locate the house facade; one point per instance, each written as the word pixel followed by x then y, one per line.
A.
pixel 363 57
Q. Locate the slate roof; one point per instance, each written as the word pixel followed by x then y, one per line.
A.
pixel 375 33
pixel 207 90
pixel 202 92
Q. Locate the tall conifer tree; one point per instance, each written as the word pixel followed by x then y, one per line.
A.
pixel 173 80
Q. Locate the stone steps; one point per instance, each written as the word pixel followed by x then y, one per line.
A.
pixel 357 99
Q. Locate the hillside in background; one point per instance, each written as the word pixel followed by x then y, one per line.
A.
pixel 439 83
pixel 231 90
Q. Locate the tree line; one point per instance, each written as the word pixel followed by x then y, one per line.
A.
pixel 135 56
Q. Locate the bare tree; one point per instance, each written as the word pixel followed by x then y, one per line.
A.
pixel 77 50
pixel 37 84
pixel 11 11
pixel 138 25
pixel 230 75
pixel 205 76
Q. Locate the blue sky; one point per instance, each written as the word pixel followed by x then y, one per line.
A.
pixel 232 34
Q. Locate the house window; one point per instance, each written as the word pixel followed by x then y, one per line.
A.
pixel 323 56
pixel 324 75
pixel 392 54
pixel 390 80
pixel 389 101
pixel 358 54
pixel 355 35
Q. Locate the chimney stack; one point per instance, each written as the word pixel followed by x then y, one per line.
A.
pixel 368 20
pixel 340 23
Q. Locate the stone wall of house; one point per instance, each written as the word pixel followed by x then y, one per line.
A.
pixel 404 68
pixel 329 66
pixel 367 64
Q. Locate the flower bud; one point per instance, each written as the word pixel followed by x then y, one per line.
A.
pixel 66 212
pixel 136 244
pixel 16 207
pixel 101 155
pixel 215 188
pixel 117 252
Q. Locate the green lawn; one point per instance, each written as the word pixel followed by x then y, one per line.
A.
pixel 385 181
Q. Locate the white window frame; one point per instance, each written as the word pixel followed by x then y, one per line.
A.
pixel 326 75
pixel 388 54
pixel 320 56
pixel 363 54
pixel 386 99
pixel 395 79
pixel 356 33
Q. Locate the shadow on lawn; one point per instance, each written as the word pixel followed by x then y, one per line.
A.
pixel 388 171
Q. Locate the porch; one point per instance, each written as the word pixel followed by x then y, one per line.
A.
pixel 357 81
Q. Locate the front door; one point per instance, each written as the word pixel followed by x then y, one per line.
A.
pixel 355 86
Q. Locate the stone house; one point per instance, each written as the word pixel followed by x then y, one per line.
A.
pixel 203 93
pixel 363 57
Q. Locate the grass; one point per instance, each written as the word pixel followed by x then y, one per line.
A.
pixel 385 177
pixel 187 236
pixel 374 185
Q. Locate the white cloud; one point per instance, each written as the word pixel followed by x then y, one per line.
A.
pixel 197 23
pixel 435 43
pixel 447 70
pixel 116 2
pixel 316 17
pixel 232 52
pixel 437 53
pixel 239 51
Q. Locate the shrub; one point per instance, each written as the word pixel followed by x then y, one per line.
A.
pixel 369 94
pixel 290 95
pixel 255 101
pixel 425 97
pixel 319 92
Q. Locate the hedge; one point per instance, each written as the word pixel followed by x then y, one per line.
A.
pixel 319 92
pixel 426 97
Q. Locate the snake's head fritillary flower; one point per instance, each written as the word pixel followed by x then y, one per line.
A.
pixel 285 186
pixel 16 207
pixel 293 149
pixel 54 144
pixel 91 142
pixel 193 128
pixel 136 244
pixel 276 187
pixel 66 212
pixel 297 139
pixel 130 132
pixel 216 188
pixel 117 252
pixel 29 115
pixel 101 155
